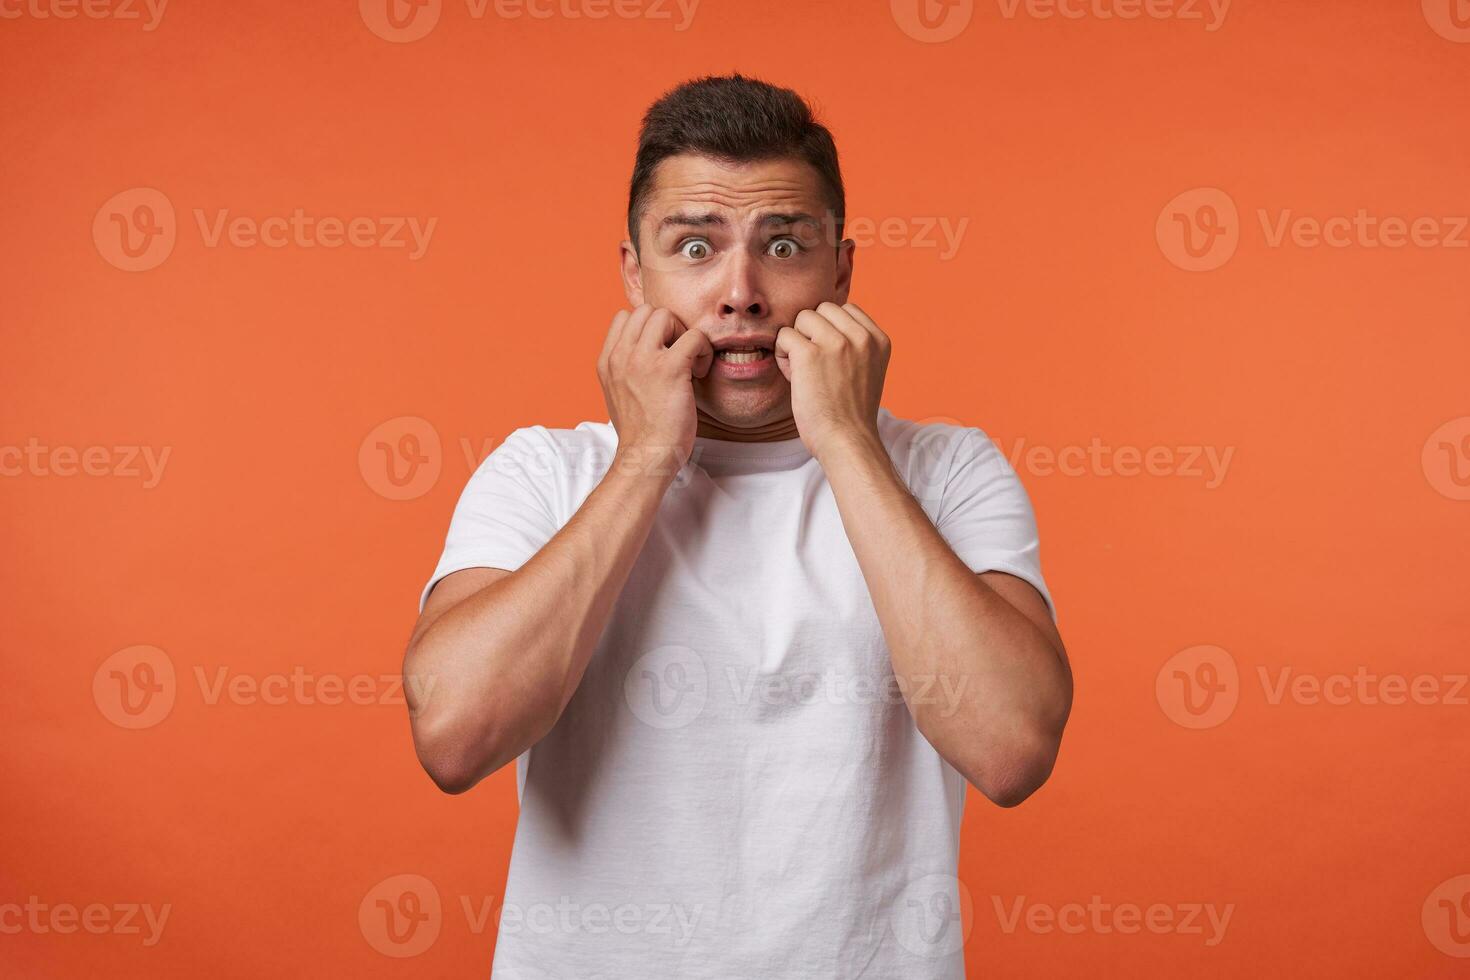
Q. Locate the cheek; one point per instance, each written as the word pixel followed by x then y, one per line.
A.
pixel 680 294
pixel 806 291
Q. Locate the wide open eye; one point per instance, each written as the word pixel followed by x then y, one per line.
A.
pixel 784 248
pixel 695 248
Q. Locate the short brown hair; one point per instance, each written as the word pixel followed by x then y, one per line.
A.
pixel 733 119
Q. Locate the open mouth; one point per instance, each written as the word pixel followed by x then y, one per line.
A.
pixel 743 355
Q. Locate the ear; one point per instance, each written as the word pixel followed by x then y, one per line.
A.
pixel 846 250
pixel 632 273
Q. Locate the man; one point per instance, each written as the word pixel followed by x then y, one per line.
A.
pixel 748 640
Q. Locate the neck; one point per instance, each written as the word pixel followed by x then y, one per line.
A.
pixel 711 428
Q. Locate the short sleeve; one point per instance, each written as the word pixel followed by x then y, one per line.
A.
pixel 986 516
pixel 506 512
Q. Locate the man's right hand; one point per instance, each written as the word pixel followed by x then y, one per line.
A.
pixel 646 368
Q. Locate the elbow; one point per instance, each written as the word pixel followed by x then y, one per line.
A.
pixel 1010 791
pixel 451 775
pixel 457 758
pixel 455 763
pixel 1010 776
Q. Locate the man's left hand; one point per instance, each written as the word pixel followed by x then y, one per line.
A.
pixel 835 358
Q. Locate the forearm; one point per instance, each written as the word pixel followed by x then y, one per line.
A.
pixel 997 691
pixel 500 666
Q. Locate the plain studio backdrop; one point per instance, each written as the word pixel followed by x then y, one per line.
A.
pixel 273 278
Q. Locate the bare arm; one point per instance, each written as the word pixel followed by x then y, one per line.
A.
pixel 496 655
pixel 1004 685
pixel 1004 688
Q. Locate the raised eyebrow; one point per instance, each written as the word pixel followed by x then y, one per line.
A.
pixel 793 218
pixel 684 219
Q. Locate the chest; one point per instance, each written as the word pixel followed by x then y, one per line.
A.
pixel 753 579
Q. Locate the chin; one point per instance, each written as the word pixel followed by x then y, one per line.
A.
pixel 746 409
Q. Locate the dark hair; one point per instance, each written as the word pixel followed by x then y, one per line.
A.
pixel 735 120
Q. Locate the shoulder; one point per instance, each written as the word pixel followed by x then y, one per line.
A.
pixel 931 451
pixel 545 448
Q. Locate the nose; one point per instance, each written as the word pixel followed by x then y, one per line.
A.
pixel 742 295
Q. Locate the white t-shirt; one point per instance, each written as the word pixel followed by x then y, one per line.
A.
pixel 737 789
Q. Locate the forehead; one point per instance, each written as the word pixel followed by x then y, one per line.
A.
pixel 688 179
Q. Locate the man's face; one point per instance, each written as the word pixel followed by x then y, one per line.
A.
pixel 736 251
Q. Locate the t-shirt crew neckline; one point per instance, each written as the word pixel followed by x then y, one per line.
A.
pixel 780 449
pixel 725 449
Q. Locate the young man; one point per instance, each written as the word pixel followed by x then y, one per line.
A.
pixel 748 640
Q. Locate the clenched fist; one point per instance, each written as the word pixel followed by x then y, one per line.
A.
pixel 835 358
pixel 646 368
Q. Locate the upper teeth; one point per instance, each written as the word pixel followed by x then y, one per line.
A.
pixel 743 355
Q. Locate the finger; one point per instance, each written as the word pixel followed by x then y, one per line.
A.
pixel 661 330
pixel 613 333
pixel 814 327
pixel 636 321
pixel 693 352
pixel 845 322
pixel 789 342
pixel 862 317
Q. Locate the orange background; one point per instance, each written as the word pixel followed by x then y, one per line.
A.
pixel 1333 542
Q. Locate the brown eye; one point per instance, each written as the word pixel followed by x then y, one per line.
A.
pixel 783 248
pixel 691 247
